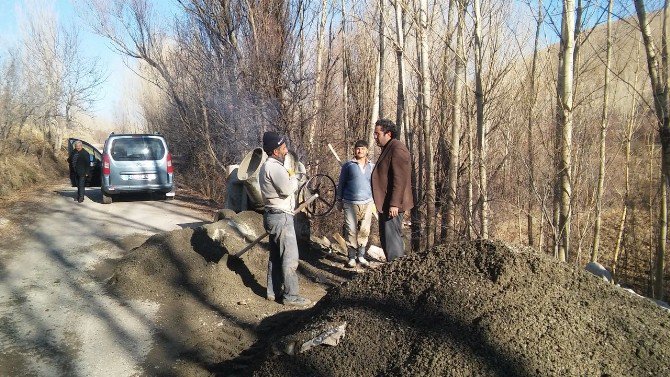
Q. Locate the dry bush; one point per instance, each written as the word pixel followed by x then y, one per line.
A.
pixel 29 161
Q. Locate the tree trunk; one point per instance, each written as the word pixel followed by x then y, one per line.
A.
pixel 470 231
pixel 530 137
pixel 659 86
pixel 400 49
pixel 626 195
pixel 455 145
pixel 375 108
pixel 382 48
pixel 301 69
pixel 318 72
pixel 564 124
pixel 426 120
pixel 444 111
pixel 659 276
pixel 481 127
pixel 345 80
pixel 603 134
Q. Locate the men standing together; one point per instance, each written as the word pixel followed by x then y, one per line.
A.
pixel 354 195
pixel 362 187
pixel 386 186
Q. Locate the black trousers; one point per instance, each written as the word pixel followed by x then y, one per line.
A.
pixel 81 185
pixel 390 235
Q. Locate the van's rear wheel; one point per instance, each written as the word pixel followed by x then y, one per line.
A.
pixel 106 199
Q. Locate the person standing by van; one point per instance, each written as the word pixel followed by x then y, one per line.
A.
pixel 80 162
pixel 278 189
pixel 354 195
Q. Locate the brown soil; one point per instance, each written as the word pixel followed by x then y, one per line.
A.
pixel 468 309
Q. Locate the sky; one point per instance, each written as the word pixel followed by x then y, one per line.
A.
pixel 111 92
pixel 92 45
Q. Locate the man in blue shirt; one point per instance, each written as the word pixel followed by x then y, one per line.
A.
pixel 354 195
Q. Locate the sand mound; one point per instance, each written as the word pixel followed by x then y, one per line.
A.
pixel 479 309
pixel 465 309
pixel 192 260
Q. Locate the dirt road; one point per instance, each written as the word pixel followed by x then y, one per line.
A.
pixel 55 317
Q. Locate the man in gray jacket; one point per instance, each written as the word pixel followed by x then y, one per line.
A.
pixel 278 186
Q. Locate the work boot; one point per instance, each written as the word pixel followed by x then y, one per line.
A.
pixel 298 301
pixel 351 263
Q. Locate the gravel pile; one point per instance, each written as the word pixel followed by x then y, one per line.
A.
pixel 477 309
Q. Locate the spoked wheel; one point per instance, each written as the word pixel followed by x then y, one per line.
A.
pixel 324 186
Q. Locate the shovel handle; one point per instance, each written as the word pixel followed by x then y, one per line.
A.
pixel 260 238
pixel 335 153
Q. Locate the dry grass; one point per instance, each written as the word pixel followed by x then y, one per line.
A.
pixel 29 163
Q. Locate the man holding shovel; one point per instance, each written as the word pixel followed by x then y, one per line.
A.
pixel 354 195
pixel 278 186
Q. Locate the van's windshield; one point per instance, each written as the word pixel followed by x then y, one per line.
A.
pixel 137 149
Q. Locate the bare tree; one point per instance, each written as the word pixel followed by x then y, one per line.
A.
pixel 425 79
pixel 57 71
pixel 345 76
pixel 482 128
pixel 603 132
pixel 382 52
pixel 530 139
pixel 401 111
pixel 564 129
pixel 318 74
pixel 455 146
pixel 658 75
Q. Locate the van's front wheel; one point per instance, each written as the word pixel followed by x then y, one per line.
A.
pixel 106 199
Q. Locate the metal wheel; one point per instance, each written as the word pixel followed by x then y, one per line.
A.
pixel 324 186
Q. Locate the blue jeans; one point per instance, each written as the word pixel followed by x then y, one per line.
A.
pixel 390 235
pixel 284 254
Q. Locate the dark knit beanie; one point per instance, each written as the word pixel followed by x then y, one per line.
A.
pixel 272 141
pixel 361 143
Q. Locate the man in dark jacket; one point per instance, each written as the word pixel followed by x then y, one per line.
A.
pixel 80 164
pixel 391 187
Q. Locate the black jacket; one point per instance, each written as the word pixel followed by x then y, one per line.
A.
pixel 83 165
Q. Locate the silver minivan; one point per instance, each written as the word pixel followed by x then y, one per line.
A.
pixel 135 163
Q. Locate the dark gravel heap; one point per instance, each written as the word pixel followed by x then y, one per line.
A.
pixel 479 309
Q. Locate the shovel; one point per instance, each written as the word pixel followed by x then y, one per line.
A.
pixel 257 240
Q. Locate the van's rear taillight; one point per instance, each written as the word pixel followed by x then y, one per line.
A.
pixel 170 169
pixel 105 164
